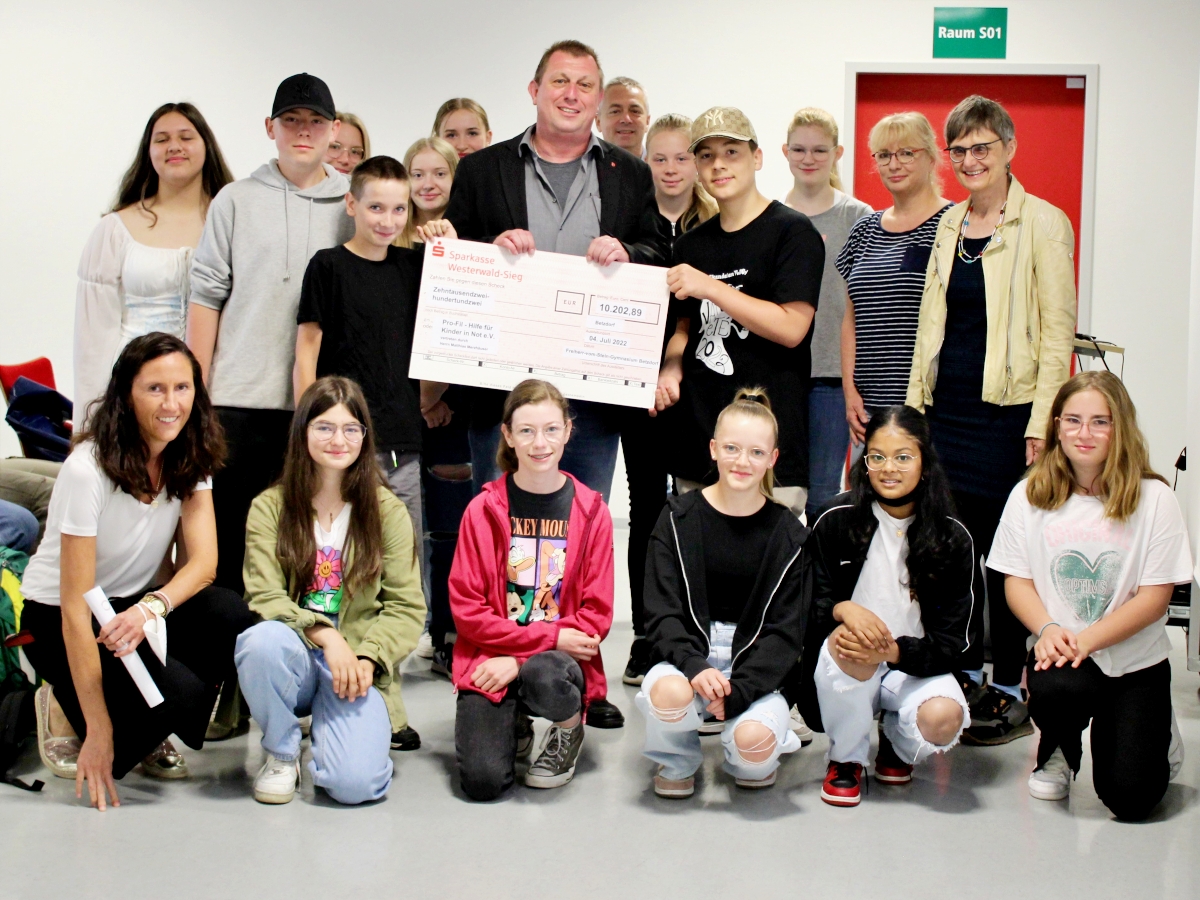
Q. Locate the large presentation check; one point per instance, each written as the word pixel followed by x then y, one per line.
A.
pixel 489 319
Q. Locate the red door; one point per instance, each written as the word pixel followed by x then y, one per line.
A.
pixel 1048 111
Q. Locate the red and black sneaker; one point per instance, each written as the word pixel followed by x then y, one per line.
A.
pixel 889 767
pixel 843 784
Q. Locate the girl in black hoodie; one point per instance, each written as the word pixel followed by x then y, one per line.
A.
pixel 892 573
pixel 726 600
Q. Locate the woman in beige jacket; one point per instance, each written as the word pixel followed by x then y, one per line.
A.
pixel 994 344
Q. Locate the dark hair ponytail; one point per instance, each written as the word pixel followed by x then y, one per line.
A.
pixel 932 538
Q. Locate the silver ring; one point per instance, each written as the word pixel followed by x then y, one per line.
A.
pixel 122 645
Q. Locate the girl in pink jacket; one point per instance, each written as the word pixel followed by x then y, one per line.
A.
pixel 531 591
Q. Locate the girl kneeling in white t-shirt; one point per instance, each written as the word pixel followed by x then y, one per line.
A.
pixel 331 564
pixel 1093 543
pixel 140 468
pixel 892 574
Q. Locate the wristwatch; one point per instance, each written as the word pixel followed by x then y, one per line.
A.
pixel 155 604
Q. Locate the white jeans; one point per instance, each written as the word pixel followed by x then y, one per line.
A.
pixel 676 745
pixel 849 707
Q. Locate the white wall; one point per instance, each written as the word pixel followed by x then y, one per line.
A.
pixel 79 80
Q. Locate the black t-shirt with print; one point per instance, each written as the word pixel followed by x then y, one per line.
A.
pixel 734 547
pixel 778 257
pixel 367 311
pixel 537 553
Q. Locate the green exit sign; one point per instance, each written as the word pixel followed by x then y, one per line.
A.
pixel 970 32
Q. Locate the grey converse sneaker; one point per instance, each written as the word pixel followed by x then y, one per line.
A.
pixel 555 765
pixel 524 736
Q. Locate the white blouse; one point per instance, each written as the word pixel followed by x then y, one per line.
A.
pixel 126 289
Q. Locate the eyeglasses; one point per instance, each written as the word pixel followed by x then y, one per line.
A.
pixel 817 153
pixel 904 156
pixel 902 461
pixel 527 434
pixel 1096 425
pixel 733 451
pixel 353 431
pixel 355 152
pixel 979 151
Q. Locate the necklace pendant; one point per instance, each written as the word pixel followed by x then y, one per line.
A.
pixel 154 503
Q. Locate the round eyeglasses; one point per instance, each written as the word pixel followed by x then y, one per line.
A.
pixel 902 461
pixel 353 432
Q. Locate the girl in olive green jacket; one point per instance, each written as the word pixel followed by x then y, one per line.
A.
pixel 331 566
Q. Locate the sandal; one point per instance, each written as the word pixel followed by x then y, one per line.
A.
pixel 59 754
pixel 165 762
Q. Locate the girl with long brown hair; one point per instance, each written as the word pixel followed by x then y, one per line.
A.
pixel 133 274
pixel 331 566
pixel 1091 545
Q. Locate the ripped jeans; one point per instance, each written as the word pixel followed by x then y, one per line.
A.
pixel 849 707
pixel 676 745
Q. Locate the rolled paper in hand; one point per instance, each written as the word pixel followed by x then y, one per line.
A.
pixel 98 603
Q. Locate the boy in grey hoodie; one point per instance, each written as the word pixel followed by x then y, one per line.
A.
pixel 246 276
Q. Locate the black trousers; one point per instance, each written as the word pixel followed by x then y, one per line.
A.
pixel 256 441
pixel 200 637
pixel 646 472
pixel 981 516
pixel 485 733
pixel 1131 729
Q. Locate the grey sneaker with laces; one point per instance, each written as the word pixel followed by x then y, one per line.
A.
pixel 524 736
pixel 555 765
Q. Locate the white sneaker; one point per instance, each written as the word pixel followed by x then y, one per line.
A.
pixel 277 781
pixel 1053 780
pixel 424 646
pixel 800 728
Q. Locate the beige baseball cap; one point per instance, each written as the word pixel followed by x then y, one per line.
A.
pixel 722 121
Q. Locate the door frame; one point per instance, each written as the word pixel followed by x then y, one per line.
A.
pixel 1091 102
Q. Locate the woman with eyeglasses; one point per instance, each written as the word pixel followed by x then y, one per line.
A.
pixel 331 566
pixel 994 340
pixel 892 575
pixel 883 262
pixel 352 146
pixel 1091 546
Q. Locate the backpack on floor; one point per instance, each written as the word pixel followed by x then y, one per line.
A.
pixel 17 717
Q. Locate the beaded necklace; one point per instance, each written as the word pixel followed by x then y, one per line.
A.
pixel 962 231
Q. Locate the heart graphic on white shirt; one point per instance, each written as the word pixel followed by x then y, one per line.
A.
pixel 1087 587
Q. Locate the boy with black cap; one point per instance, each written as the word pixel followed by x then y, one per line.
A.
pixel 747 280
pixel 246 276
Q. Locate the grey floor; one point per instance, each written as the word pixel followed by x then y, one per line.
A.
pixel 966 827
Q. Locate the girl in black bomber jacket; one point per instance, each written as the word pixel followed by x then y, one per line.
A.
pixel 892 575
pixel 726 595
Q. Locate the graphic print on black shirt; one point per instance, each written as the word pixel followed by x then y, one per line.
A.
pixel 537 553
pixel 367 311
pixel 778 257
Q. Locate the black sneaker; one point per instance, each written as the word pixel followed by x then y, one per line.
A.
pixel 555 765
pixel 973 693
pixel 406 739
pixel 997 719
pixel 602 714
pixel 524 736
pixel 442 663
pixel 639 662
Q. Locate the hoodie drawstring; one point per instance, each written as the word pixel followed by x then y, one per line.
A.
pixel 287 232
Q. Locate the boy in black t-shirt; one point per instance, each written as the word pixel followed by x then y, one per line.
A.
pixel 358 309
pixel 747 283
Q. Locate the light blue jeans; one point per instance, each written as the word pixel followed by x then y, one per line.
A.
pixel 676 745
pixel 282 679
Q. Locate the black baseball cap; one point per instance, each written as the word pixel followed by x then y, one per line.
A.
pixel 303 91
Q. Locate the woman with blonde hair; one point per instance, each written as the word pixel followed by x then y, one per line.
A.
pixel 883 262
pixel 431 163
pixel 812 152
pixel 463 124
pixel 993 346
pixel 1091 546
pixel 352 145
pixel 726 593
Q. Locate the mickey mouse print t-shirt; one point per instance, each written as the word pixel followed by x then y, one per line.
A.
pixel 325 591
pixel 1085 566
pixel 537 553
pixel 778 257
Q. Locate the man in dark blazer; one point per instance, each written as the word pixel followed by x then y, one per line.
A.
pixel 558 187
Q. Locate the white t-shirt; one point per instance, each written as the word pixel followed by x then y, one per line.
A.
pixel 1084 566
pixel 325 591
pixel 132 537
pixel 883 586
